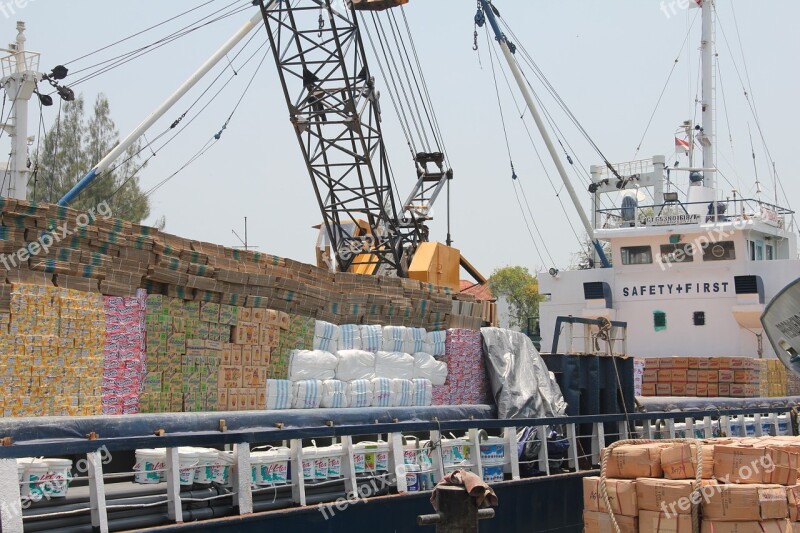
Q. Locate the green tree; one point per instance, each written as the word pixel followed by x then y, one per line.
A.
pixel 72 146
pixel 584 259
pixel 520 289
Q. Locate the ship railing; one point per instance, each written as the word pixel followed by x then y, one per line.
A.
pixel 681 213
pixel 627 168
pixel 557 446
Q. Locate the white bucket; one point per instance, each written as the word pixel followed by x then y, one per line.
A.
pixel 275 468
pixel 207 459
pixel 455 452
pixel 57 478
pixel 257 461
pixel 493 450
pixel 382 457
pixel 365 457
pixel 315 464
pixel 221 471
pixel 22 465
pixel 410 451
pixel 150 465
pixel 334 455
pixel 188 458
pixel 31 487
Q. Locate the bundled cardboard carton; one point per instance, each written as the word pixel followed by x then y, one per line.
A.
pixel 621 496
pixel 658 522
pixel 766 526
pixel 748 464
pixel 680 460
pixel 595 522
pixel 631 462
pixel 661 495
pixel 737 503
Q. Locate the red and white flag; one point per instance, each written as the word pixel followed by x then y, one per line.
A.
pixel 680 143
pixel 697 3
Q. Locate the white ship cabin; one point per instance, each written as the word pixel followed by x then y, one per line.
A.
pixel 691 270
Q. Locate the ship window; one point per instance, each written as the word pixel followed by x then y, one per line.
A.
pixel 659 320
pixel 699 318
pixel 637 255
pixel 770 252
pixel 719 251
pixel 751 249
pixel 677 253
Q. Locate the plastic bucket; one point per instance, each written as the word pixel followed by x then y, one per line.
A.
pixel 257 462
pixel 412 478
pixel 33 472
pixel 492 473
pixel 188 458
pixel 22 465
pixel 221 470
pixel 150 464
pixel 493 450
pixel 206 459
pixel 455 452
pixel 410 451
pixel 55 482
pixel 382 457
pixel 334 455
pixel 365 457
pixel 275 468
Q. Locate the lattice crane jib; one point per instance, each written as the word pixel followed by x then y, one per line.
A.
pixel 334 108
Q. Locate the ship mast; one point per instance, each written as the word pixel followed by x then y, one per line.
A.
pixel 707 137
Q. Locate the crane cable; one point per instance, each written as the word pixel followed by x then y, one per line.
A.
pixel 110 171
pixel 123 59
pixel 514 176
pixel 214 139
pixel 493 52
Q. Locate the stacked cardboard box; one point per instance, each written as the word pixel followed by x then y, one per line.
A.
pixel 748 486
pixel 123 353
pixel 246 360
pixel 467 382
pixel 53 345
pixel 737 377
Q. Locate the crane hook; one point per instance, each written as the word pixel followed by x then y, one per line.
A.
pixel 321 24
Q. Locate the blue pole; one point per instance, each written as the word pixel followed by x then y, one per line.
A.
pixel 487 9
pixel 76 190
pixel 601 253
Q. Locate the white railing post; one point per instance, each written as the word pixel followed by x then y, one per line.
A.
pixel 397 460
pixel 348 467
pixel 689 431
pixel 511 448
pixel 97 492
pixel 670 422
pixel 243 478
pixel 574 460
pixel 544 460
pixel 299 484
pixel 725 424
pixel 773 417
pixel 647 429
pixel 757 424
pixel 598 442
pixel 742 425
pixel 436 455
pixel 174 506
pixel 10 501
pixel 708 429
pixel 622 429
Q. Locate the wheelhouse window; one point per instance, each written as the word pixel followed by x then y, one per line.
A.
pixel 636 255
pixel 677 253
pixel 719 251
pixel 770 252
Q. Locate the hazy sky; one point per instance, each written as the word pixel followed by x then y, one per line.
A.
pixel 608 60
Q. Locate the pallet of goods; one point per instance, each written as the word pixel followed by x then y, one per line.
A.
pixel 117 318
pixel 735 377
pixel 746 485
